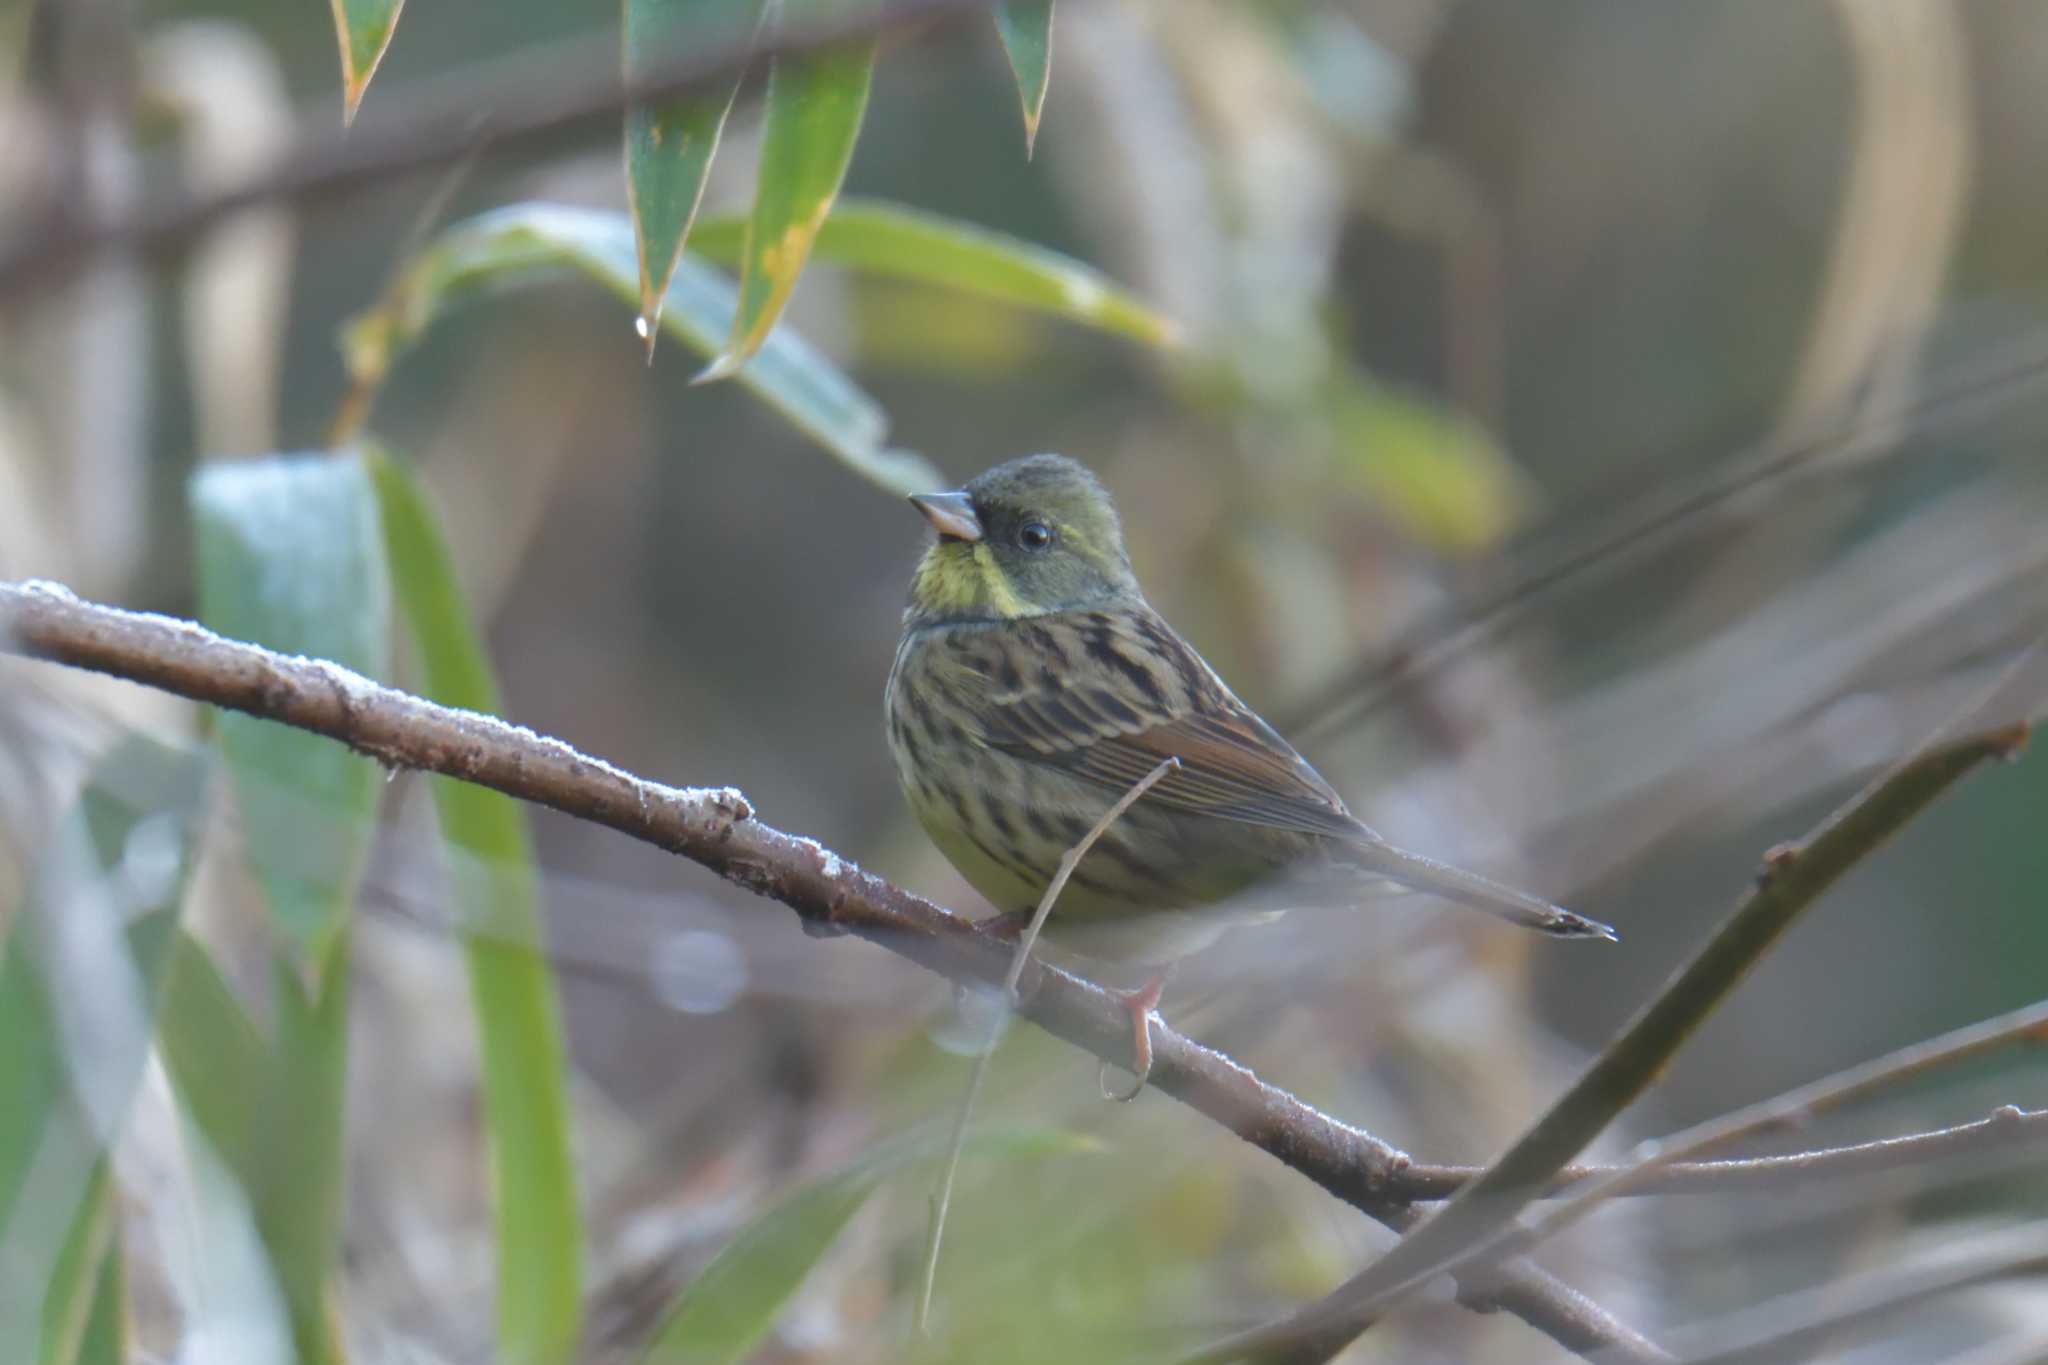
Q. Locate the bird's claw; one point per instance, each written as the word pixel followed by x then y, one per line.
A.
pixel 1143 1005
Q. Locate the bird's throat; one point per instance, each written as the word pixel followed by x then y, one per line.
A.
pixel 962 580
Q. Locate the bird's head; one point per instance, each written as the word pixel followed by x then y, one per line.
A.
pixel 1028 538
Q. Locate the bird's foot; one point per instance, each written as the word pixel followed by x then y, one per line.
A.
pixel 1143 1004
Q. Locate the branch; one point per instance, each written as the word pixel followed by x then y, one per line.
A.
pixel 1742 481
pixel 2004 1129
pixel 528 106
pixel 1796 1323
pixel 1485 1214
pixel 716 827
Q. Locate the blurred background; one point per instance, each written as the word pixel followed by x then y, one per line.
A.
pixel 1737 310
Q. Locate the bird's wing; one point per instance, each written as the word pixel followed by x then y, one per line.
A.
pixel 1107 695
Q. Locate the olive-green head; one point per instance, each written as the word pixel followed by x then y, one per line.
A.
pixel 1028 538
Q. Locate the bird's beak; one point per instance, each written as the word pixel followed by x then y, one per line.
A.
pixel 951 515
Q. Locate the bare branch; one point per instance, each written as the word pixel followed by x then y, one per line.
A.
pixel 1786 1326
pixel 1484 1214
pixel 530 106
pixel 2005 1129
pixel 716 827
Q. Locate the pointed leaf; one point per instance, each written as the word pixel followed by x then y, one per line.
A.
pixel 815 103
pixel 669 147
pixel 722 1314
pixel 523 240
pixel 363 28
pixel 105 1338
pixel 216 1056
pixel 291 556
pixel 80 974
pixel 889 239
pixel 1026 30
pixel 296 1183
pixel 72 1310
pixel 519 1029
pixel 1433 471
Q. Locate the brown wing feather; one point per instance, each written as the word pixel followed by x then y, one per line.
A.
pixel 1132 692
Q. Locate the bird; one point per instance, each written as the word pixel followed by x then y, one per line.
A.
pixel 1034 686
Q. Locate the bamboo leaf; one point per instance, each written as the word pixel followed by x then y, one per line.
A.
pixel 815 104
pixel 669 147
pixel 290 556
pixel 726 1311
pixel 526 1113
pixel 516 243
pixel 888 239
pixel 1435 472
pixel 298 1161
pixel 363 28
pixel 1026 30
pixel 77 994
pixel 216 1055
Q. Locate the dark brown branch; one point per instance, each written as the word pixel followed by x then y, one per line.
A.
pixel 339 161
pixel 716 827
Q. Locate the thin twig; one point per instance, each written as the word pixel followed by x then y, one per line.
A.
pixel 1461 626
pixel 537 105
pixel 716 827
pixel 942 1201
pixel 2004 1129
pixel 1486 1211
pixel 1792 1323
pixel 1799 1105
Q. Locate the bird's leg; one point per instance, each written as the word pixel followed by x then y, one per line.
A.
pixel 1143 1004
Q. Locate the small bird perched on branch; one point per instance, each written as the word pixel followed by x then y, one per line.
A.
pixel 1034 685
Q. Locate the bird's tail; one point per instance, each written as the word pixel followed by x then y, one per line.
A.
pixel 1469 889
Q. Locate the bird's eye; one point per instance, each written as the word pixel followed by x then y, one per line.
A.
pixel 1034 535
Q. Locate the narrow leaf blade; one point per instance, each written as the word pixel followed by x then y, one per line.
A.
pixel 521 241
pixel 889 239
pixel 725 1312
pixel 526 1112
pixel 815 105
pixel 1025 27
pixel 669 147
pixel 80 975
pixel 290 556
pixel 363 29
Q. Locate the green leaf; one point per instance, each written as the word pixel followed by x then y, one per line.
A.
pixel 1433 471
pixel 77 994
pixel 669 147
pixel 888 239
pixel 726 1311
pixel 526 1113
pixel 1026 30
pixel 73 1309
pixel 297 1159
pixel 363 28
pixel 290 556
pixel 216 1055
pixel 815 103
pixel 522 240
pixel 105 1338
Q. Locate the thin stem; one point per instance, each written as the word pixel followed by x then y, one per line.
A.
pixel 1485 1212
pixel 942 1201
pixel 540 100
pixel 2003 1129
pixel 1800 1321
